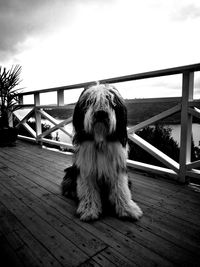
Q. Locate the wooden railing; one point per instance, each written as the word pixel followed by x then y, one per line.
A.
pixel 186 105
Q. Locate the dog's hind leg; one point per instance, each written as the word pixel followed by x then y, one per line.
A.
pixel 68 185
pixel 120 197
pixel 89 199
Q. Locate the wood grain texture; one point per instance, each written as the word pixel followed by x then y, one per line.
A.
pixel 39 227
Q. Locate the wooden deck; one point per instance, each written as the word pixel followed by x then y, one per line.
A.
pixel 38 227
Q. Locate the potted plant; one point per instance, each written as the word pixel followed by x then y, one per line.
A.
pixel 9 79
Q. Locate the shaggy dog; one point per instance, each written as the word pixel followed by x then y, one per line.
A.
pixel 99 174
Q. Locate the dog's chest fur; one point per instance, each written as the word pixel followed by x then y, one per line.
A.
pixel 100 162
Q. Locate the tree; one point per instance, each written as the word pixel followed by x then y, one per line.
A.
pixel 158 136
pixel 9 79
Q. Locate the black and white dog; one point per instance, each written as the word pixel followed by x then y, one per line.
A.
pixel 99 167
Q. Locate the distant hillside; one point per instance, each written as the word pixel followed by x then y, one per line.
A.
pixel 137 112
pixel 61 113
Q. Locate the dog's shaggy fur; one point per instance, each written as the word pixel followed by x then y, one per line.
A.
pixel 99 167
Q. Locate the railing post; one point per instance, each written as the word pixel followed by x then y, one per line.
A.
pixel 60 97
pixel 10 113
pixel 186 124
pixel 38 125
pixel 10 119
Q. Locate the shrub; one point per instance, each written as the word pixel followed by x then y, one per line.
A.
pixel 158 136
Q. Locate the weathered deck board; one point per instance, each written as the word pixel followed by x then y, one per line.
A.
pixel 39 227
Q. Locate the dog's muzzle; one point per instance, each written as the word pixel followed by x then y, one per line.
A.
pixel 100 126
pixel 101 116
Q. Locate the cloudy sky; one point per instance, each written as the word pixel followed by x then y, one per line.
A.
pixel 60 42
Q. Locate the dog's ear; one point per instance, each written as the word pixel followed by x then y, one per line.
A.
pixel 121 120
pixel 78 123
pixel 79 112
pixel 78 118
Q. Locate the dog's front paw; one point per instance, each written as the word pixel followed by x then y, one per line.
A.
pixel 89 215
pixel 88 212
pixel 132 210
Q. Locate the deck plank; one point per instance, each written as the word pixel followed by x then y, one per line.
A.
pixel 71 231
pixel 38 222
pixel 141 251
pixel 8 255
pixel 115 239
pixel 22 242
pixel 64 250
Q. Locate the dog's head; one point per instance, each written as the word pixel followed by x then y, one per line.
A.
pixel 100 115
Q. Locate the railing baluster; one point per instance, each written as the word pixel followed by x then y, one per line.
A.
pixel 10 113
pixel 10 119
pixel 186 124
pixel 38 124
pixel 60 98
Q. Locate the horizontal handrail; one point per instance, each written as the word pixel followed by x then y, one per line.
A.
pixel 155 100
pixel 126 78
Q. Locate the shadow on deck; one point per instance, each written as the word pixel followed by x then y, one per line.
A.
pixel 38 226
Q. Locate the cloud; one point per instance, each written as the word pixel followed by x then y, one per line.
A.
pixel 186 12
pixel 69 41
pixel 23 19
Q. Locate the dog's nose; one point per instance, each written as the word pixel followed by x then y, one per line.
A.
pixel 100 115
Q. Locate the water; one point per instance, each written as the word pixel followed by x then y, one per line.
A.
pixel 62 136
pixel 176 130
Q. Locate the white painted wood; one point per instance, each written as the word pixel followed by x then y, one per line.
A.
pixel 60 97
pixel 155 118
pixel 48 141
pixel 54 121
pixel 52 106
pixel 26 138
pixel 47 116
pixel 126 78
pixel 170 163
pixel 151 168
pixel 193 165
pixel 174 100
pixel 26 106
pixel 53 142
pixel 26 117
pixel 37 114
pixel 29 129
pixel 36 98
pixel 186 124
pixel 56 127
pixel 26 126
pixel 194 173
pixel 38 122
pixel 10 119
pixel 194 112
pixel 197 110
pixel 194 102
